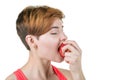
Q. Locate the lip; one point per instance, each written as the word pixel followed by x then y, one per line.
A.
pixel 59 45
pixel 60 50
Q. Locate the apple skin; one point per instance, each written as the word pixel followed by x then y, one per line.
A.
pixel 60 50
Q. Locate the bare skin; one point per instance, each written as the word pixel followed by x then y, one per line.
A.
pixel 45 49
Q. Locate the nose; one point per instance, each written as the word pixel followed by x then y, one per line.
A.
pixel 63 37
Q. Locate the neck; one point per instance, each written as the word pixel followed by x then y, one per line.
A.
pixel 37 67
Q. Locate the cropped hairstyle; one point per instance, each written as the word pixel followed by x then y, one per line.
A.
pixel 36 20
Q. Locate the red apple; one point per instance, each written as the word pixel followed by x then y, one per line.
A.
pixel 60 50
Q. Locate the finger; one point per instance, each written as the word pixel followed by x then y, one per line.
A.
pixel 69 48
pixel 67 54
pixel 71 60
pixel 72 55
pixel 73 43
pixel 67 59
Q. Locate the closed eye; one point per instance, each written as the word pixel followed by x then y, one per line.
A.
pixel 54 33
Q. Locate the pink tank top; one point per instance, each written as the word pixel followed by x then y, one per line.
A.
pixel 20 75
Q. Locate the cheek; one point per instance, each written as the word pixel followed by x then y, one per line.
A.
pixel 49 45
pixel 53 44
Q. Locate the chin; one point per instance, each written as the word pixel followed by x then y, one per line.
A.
pixel 59 60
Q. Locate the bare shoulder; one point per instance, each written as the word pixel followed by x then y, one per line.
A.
pixel 66 73
pixel 11 77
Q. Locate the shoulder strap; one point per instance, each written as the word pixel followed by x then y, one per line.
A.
pixel 59 74
pixel 20 75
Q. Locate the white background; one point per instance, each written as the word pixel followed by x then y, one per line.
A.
pixel 94 24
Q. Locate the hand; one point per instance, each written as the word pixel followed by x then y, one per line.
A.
pixel 73 56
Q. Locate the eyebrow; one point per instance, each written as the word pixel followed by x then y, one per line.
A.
pixel 55 27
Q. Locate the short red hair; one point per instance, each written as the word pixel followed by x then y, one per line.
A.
pixel 36 20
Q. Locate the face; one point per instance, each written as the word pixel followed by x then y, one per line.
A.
pixel 49 42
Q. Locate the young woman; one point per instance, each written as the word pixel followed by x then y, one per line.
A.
pixel 40 29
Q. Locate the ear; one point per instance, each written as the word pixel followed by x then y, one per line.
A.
pixel 31 41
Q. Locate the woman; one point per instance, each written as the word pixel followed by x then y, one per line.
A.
pixel 40 29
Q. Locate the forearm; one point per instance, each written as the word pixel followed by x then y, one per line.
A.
pixel 76 71
pixel 78 75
